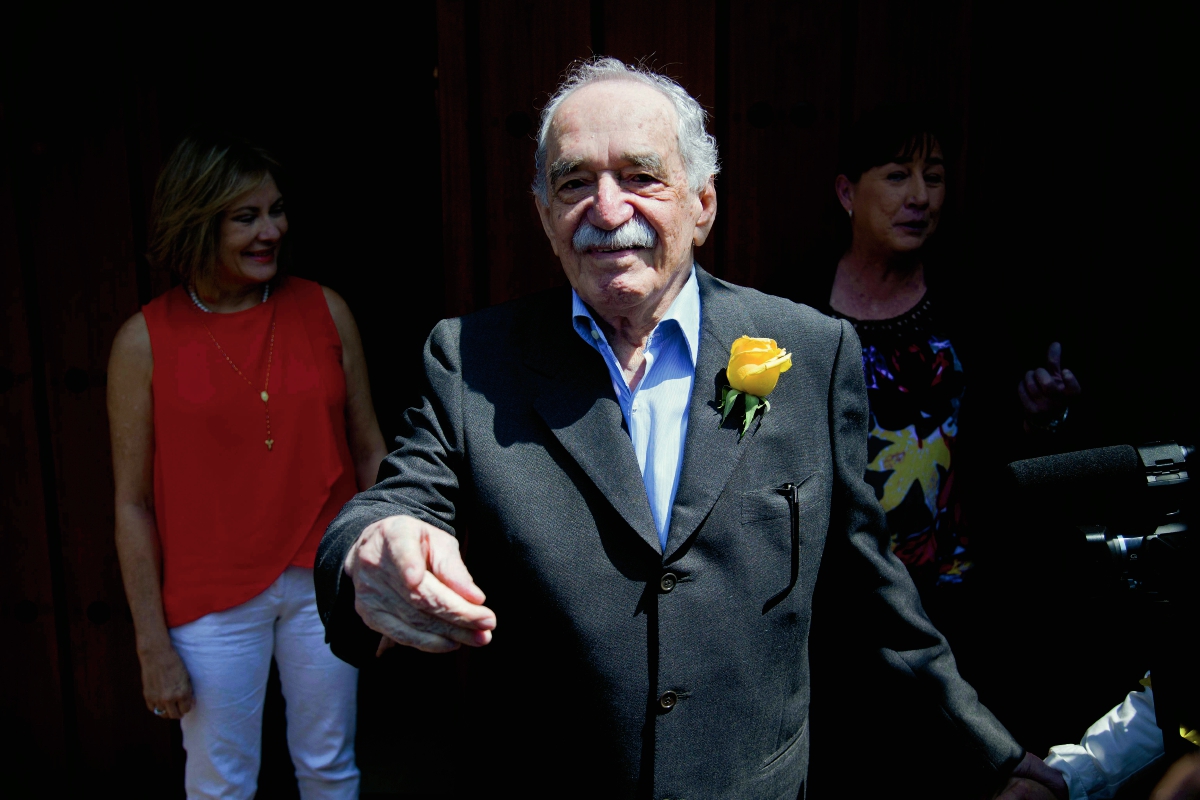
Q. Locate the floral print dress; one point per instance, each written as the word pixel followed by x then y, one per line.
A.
pixel 915 388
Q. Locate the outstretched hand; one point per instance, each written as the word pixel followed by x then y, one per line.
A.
pixel 411 585
pixel 1033 780
pixel 1046 391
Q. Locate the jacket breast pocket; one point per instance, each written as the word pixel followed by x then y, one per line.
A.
pixel 777 502
pixel 780 514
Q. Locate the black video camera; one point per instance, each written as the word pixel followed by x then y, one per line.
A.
pixel 1133 509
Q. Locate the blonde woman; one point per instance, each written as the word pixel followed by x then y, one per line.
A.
pixel 241 422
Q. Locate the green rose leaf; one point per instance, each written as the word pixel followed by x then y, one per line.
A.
pixel 752 404
pixel 727 402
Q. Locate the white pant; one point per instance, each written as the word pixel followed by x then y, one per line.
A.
pixel 228 655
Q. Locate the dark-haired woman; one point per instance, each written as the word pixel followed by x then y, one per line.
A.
pixel 892 186
pixel 932 389
pixel 241 423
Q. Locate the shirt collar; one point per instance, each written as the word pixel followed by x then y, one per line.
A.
pixel 684 310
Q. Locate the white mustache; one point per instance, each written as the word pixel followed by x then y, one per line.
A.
pixel 635 234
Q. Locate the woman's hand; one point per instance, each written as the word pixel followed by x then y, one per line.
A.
pixel 166 684
pixel 1045 392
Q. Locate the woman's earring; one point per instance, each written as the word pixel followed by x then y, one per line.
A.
pixel 850 211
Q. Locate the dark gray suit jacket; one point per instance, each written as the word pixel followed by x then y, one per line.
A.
pixel 520 448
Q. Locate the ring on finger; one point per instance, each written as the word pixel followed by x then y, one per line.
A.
pixel 159 712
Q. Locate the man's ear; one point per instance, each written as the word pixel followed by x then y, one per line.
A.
pixel 708 212
pixel 845 193
pixel 544 215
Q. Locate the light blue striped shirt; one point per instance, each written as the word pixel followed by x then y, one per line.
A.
pixel 657 412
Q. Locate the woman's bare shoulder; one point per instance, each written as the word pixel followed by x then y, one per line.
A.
pixel 337 305
pixel 343 319
pixel 132 342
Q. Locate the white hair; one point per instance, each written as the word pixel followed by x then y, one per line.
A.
pixel 697 147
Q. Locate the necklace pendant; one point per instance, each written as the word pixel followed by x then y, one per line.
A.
pixel 263 394
pixel 270 443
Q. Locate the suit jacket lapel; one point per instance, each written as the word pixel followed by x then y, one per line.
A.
pixel 711 451
pixel 578 404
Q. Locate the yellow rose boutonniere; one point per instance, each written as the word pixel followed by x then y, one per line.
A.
pixel 754 368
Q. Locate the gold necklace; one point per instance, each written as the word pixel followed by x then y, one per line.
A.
pixel 266 398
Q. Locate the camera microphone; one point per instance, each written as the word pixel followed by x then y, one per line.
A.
pixel 1133 484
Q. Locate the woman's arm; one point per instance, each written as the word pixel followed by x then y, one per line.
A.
pixel 165 682
pixel 362 428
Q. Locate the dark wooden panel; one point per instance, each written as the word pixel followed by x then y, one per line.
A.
pixel 145 159
pixel 524 48
pixel 83 250
pixel 916 52
pixel 912 52
pixel 676 38
pixel 780 153
pixel 457 183
pixel 32 704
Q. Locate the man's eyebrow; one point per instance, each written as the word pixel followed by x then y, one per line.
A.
pixel 562 167
pixel 651 162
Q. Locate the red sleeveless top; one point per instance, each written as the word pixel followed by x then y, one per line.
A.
pixel 232 514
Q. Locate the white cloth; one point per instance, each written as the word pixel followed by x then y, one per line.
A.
pixel 228 655
pixel 1116 747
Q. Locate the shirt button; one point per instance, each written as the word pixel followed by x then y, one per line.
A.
pixel 667 581
pixel 595 333
pixel 667 700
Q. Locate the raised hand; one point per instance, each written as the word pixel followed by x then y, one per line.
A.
pixel 1046 391
pixel 411 585
pixel 1033 780
pixel 166 685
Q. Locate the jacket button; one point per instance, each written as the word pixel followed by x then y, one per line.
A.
pixel 668 699
pixel 667 581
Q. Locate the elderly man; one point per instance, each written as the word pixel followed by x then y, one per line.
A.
pixel 649 564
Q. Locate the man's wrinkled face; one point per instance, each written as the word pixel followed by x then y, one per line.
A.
pixel 621 216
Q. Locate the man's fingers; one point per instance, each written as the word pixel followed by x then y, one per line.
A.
pixel 432 549
pixel 395 567
pixel 428 597
pixel 443 602
pixel 455 633
pixel 436 638
pixel 1031 405
pixel 422 559
pixel 1054 357
pixel 1046 382
pixel 446 563
pixel 1025 789
pixel 410 626
pixel 407 548
pixel 1032 390
pixel 1071 384
pixel 1038 779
